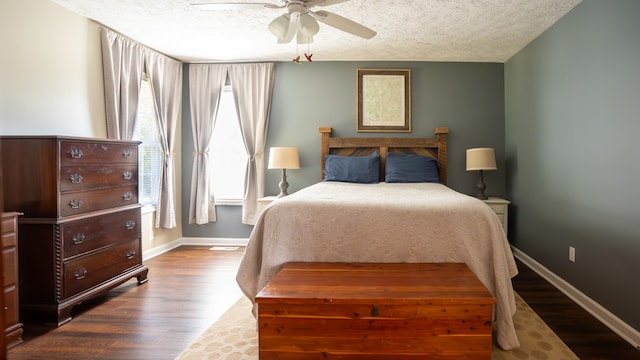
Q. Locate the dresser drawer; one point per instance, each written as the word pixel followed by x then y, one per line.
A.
pixel 8 239
pixel 82 202
pixel 88 271
pixel 11 305
pixel 8 225
pixel 498 208
pixel 97 232
pixel 90 177
pixel 81 152
pixel 9 262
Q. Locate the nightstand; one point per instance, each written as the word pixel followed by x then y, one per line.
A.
pixel 501 208
pixel 263 202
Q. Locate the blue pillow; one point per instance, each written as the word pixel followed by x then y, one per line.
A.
pixel 354 169
pixel 411 168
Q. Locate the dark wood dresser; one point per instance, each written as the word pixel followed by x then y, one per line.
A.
pixel 13 326
pixel 80 234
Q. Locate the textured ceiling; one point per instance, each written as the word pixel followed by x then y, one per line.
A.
pixel 408 30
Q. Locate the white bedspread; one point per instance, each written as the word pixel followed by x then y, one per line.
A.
pixel 421 222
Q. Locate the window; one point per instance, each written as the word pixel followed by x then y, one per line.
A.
pixel 146 130
pixel 227 153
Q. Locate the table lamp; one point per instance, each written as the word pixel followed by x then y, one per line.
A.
pixel 283 158
pixel 481 159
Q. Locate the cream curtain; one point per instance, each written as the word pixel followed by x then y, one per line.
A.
pixel 165 75
pixel 252 86
pixel 122 64
pixel 206 82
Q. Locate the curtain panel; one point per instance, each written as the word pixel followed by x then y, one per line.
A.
pixel 165 75
pixel 206 82
pixel 123 64
pixel 252 86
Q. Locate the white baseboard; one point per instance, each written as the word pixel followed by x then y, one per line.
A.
pixel 624 330
pixel 151 253
pixel 158 250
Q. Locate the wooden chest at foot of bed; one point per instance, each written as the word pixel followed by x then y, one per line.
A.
pixel 375 311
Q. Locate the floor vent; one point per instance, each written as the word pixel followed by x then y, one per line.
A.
pixel 224 248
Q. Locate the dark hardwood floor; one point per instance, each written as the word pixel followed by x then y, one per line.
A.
pixel 191 286
pixel 584 334
pixel 188 288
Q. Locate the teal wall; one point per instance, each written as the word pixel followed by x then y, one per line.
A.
pixel 466 97
pixel 573 157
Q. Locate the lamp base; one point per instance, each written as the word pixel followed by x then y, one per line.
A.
pixel 284 185
pixel 481 186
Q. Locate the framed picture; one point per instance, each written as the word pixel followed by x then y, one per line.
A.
pixel 384 100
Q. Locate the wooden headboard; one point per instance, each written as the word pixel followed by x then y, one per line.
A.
pixel 351 146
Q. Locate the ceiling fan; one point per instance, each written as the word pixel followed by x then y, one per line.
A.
pixel 299 20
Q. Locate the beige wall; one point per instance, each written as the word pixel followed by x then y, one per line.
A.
pixel 51 83
pixel 51 71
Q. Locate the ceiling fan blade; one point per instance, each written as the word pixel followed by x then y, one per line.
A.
pixel 235 5
pixel 344 24
pixel 329 2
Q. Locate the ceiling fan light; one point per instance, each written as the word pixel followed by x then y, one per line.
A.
pixel 280 26
pixel 301 38
pixel 308 25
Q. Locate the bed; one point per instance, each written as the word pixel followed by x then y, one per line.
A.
pixel 338 221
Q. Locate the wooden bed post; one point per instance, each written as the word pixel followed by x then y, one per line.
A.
pixel 441 137
pixel 325 133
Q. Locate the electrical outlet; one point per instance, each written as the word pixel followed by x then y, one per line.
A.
pixel 572 254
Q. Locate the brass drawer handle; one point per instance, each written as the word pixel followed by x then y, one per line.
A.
pixel 127 196
pixel 130 254
pixel 126 153
pixel 75 178
pixel 80 274
pixel 375 311
pixel 78 238
pixel 127 175
pixel 130 225
pixel 75 153
pixel 75 203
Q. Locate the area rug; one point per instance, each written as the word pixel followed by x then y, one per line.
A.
pixel 234 337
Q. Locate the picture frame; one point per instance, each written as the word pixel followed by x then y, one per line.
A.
pixel 384 100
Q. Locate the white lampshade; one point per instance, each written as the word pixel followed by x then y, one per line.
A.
pixel 284 158
pixel 481 159
pixel 280 26
pixel 308 25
